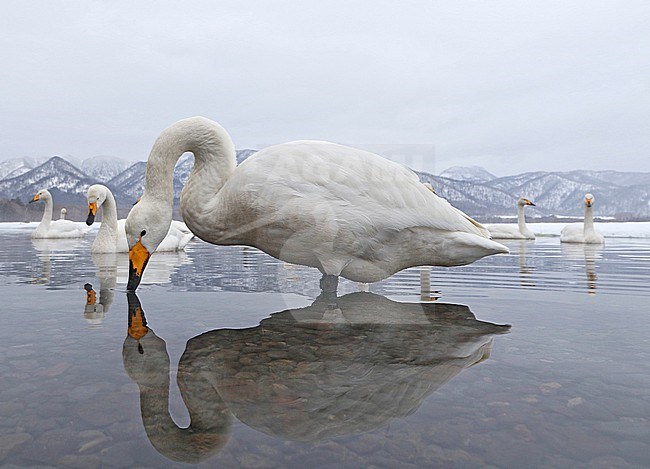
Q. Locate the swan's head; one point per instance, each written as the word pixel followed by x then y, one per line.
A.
pixel 589 200
pixel 524 201
pixel 146 227
pixel 43 195
pixel 96 195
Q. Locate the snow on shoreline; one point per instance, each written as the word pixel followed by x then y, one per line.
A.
pixel 608 230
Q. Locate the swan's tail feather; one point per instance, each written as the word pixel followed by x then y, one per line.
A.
pixel 185 240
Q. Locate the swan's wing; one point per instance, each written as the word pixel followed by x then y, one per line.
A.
pixel 356 188
pixel 176 240
pixel 504 231
pixel 181 226
pixel 67 228
pixel 572 233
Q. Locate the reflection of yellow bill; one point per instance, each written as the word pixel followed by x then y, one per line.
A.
pixel 138 325
pixel 91 297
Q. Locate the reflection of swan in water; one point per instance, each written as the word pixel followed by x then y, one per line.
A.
pixel 106 265
pixel 340 366
pixel 425 285
pixel 95 311
pixel 147 363
pixel 112 268
pixel 49 250
pixel 587 253
pixel 525 271
pixel 159 270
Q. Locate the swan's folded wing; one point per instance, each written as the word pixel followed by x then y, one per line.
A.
pixel 356 188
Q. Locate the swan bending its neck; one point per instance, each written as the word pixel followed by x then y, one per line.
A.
pixel 342 210
pixel 214 160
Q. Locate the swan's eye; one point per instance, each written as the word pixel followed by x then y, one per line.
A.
pixel 143 232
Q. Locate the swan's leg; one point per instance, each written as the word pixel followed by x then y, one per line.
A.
pixel 329 283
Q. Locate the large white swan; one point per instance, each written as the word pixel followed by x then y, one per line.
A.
pixel 509 231
pixel 583 232
pixel 57 228
pixel 342 210
pixel 111 236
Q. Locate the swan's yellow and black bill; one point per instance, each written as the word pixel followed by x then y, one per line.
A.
pixel 138 259
pixel 35 199
pixel 528 202
pixel 92 211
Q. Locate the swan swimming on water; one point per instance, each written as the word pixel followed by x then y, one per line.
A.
pixel 344 211
pixel 111 236
pixel 583 232
pixel 57 228
pixel 509 231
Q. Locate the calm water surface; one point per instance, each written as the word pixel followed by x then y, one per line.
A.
pixel 227 358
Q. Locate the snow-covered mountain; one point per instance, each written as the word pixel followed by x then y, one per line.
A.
pixel 56 174
pixel 104 168
pixel 468 173
pixel 481 194
pixel 17 166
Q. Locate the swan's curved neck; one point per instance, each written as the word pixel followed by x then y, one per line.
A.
pixel 209 416
pixel 214 160
pixel 47 213
pixel 106 239
pixel 109 212
pixel 521 219
pixel 589 219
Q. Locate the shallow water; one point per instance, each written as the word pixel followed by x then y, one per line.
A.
pixel 240 365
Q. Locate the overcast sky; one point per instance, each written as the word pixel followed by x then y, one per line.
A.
pixel 512 86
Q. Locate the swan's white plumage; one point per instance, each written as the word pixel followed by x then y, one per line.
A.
pixel 344 211
pixel 509 231
pixel 111 236
pixel 583 232
pixel 57 229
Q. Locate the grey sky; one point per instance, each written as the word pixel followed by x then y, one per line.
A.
pixel 512 86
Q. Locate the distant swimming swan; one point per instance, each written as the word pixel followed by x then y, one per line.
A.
pixel 508 231
pixel 583 232
pixel 342 210
pixel 57 228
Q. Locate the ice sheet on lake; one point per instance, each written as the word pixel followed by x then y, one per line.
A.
pixel 609 230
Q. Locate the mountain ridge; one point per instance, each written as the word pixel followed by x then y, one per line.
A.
pixel 621 195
